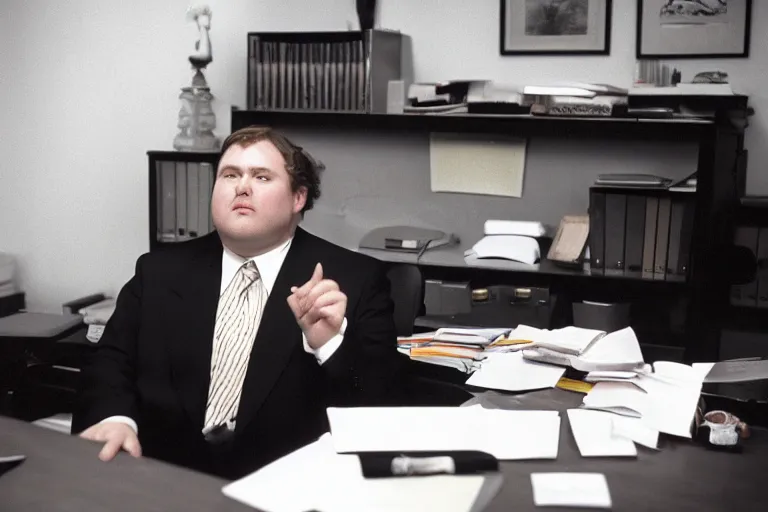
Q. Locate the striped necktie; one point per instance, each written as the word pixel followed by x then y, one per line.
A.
pixel 237 320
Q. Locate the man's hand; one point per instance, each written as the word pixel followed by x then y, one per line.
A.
pixel 319 307
pixel 114 435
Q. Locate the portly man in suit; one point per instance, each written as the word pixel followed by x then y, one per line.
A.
pixel 223 352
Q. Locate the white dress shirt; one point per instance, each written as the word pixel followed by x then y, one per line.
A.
pixel 269 265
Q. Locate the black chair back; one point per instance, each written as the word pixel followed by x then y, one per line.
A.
pixel 407 291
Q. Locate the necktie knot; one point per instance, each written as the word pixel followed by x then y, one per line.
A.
pixel 250 272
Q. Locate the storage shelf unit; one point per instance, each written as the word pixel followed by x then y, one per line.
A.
pixel 720 178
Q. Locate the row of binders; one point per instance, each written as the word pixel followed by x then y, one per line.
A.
pixel 183 200
pixel 647 236
pixel 327 75
pixel 754 293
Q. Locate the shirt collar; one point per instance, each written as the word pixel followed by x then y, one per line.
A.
pixel 269 265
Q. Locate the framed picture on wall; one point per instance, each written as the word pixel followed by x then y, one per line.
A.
pixel 555 27
pixel 689 29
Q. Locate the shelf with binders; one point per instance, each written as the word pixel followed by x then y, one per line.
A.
pixel 641 233
pixel 180 186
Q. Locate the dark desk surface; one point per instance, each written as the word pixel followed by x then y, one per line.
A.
pixel 680 476
pixel 63 473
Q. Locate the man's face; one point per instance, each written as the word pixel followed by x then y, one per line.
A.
pixel 253 206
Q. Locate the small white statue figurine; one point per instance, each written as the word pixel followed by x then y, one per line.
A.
pixel 203 54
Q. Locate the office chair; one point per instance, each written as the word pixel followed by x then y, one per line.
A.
pixel 426 385
pixel 407 292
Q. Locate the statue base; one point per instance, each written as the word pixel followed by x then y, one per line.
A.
pixel 196 121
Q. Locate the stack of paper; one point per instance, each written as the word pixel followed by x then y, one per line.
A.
pixel 510 372
pixel 507 435
pixel 664 400
pixel 458 348
pixel 315 477
pixel 617 351
pixel 567 340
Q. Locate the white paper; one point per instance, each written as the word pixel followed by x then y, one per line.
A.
pixel 570 489
pixel 594 435
pixel 507 435
pixel 618 350
pixel 619 397
pixel 467 336
pixel 663 406
pixel 636 430
pixel 735 371
pixel 316 478
pixel 477 164
pixel 508 371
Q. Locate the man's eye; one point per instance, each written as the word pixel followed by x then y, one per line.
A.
pixel 262 178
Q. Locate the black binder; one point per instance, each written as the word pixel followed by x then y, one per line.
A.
pixel 662 238
pixel 675 232
pixel 686 237
pixel 615 217
pixel 649 240
pixel 597 230
pixel 635 233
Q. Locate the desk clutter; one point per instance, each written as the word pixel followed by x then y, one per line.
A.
pixel 448 458
pixel 622 391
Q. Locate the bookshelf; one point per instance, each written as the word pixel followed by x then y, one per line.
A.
pixel 698 302
pixel 175 174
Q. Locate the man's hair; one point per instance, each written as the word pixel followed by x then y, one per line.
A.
pixel 303 170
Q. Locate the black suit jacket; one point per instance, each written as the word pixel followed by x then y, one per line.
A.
pixel 153 360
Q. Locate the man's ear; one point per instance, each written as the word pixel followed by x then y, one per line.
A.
pixel 299 199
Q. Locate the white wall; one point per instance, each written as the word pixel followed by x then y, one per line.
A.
pixel 87 87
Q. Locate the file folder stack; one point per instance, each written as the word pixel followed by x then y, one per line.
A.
pixel 336 71
pixel 183 200
pixel 453 347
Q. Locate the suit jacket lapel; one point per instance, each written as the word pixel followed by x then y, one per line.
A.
pixel 278 335
pixel 194 317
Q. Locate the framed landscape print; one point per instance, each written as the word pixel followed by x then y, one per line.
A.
pixel 680 29
pixel 555 27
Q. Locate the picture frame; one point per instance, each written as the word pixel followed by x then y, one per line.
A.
pixel 668 29
pixel 555 27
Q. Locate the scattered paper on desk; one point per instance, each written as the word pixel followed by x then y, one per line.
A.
pixel 316 478
pixel 595 437
pixel 570 489
pixel 664 405
pixel 477 164
pixel 507 435
pixel 636 430
pixel 619 350
pixel 508 371
pixel 734 371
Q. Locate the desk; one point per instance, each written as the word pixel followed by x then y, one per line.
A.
pixel 63 473
pixel 681 476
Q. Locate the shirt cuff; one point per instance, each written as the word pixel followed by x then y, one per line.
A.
pixel 123 419
pixel 325 352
